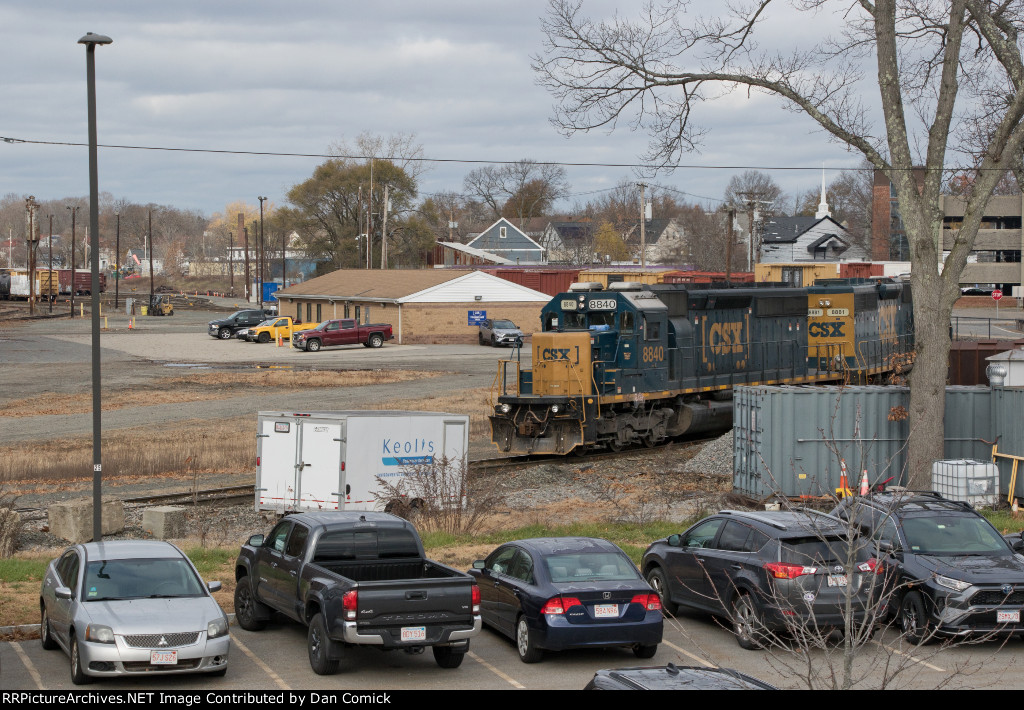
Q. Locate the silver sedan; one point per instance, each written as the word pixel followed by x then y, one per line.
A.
pixel 132 606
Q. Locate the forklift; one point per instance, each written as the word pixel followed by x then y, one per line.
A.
pixel 160 305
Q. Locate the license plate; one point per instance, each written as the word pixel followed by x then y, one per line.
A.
pixel 605 611
pixel 414 633
pixel 1008 617
pixel 163 658
pixel 837 580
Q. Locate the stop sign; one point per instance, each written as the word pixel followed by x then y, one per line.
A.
pixel 997 294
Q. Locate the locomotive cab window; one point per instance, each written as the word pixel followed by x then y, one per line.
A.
pixel 604 318
pixel 626 321
pixel 575 321
pixel 550 322
pixel 652 329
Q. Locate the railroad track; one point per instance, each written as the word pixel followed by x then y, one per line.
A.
pixel 245 493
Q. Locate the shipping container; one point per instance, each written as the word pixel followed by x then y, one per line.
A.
pixel 332 460
pixel 790 440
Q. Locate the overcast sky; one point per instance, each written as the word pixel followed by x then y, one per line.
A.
pixel 296 77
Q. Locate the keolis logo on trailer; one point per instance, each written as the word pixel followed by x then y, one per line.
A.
pixel 407 452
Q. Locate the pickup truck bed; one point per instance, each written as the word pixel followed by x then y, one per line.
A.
pixel 356 579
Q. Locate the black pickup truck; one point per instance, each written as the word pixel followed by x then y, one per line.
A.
pixel 356 579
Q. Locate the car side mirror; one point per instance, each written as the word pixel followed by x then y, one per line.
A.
pixel 674 540
pixel 214 586
pixel 62 592
pixel 256 540
pixel 478 564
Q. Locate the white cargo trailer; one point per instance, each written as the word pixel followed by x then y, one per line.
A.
pixel 332 460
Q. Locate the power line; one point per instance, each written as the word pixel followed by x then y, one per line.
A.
pixel 281 154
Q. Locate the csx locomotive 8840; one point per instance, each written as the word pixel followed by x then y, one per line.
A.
pixel 640 363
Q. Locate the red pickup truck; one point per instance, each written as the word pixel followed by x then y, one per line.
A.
pixel 343 331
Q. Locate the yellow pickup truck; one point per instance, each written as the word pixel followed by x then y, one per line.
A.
pixel 271 328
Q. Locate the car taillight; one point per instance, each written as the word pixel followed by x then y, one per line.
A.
pixel 784 570
pixel 558 605
pixel 476 599
pixel 651 602
pixel 872 565
pixel 349 602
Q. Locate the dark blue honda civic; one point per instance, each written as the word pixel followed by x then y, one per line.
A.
pixel 557 593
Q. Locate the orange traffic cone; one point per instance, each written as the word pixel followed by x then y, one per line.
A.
pixel 844 484
pixel 864 485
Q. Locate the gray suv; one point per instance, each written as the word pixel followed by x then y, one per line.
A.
pixel 766 572
pixel 497 331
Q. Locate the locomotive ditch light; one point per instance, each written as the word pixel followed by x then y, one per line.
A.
pixel 555 409
pixel 505 408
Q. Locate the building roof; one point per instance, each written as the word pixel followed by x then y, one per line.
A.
pixel 788 229
pixel 478 253
pixel 371 284
pixel 413 286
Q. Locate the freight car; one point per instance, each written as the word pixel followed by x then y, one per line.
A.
pixel 641 363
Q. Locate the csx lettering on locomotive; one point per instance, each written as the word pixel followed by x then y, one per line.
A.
pixel 826 330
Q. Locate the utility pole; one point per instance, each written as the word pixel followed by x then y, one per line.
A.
pixel 151 291
pixel 117 261
pixel 50 292
pixel 259 262
pixel 73 211
pixel 263 247
pixel 243 232
pixel 284 262
pixel 728 243
pixel 384 233
pixel 231 263
pixel 30 241
pixel 643 220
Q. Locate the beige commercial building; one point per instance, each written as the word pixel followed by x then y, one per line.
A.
pixel 422 305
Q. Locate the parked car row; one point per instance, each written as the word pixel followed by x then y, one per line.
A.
pixel 254 326
pixel 362 578
pixel 937 566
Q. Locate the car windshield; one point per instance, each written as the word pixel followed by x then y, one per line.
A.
pixel 266 323
pixel 147 578
pixel 507 324
pixel 590 566
pixel 952 535
pixel 236 314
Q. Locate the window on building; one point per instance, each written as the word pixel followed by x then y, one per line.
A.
pixel 357 314
pixel 347 313
pixel 502 232
pixel 319 314
pixel 298 311
pixel 309 311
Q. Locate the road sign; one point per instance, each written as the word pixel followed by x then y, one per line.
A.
pixel 997 294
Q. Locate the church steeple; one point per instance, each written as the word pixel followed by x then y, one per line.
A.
pixel 823 210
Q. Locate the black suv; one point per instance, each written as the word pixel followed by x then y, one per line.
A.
pixel 225 328
pixel 954 575
pixel 765 572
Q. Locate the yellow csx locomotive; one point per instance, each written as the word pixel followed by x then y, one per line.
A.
pixel 641 363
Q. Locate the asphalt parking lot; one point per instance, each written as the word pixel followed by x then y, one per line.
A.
pixel 275 659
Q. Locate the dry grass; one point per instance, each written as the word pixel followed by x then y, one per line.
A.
pixel 181 449
pixel 198 445
pixel 203 386
pixel 474 402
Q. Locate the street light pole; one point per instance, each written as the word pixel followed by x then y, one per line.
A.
pixel 90 41
pixel 30 242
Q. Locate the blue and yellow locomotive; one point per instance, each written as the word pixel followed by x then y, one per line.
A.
pixel 641 363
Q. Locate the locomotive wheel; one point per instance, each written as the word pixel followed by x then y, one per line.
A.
pixel 615 445
pixel 650 441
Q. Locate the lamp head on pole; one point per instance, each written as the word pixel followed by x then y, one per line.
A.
pixel 94 39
